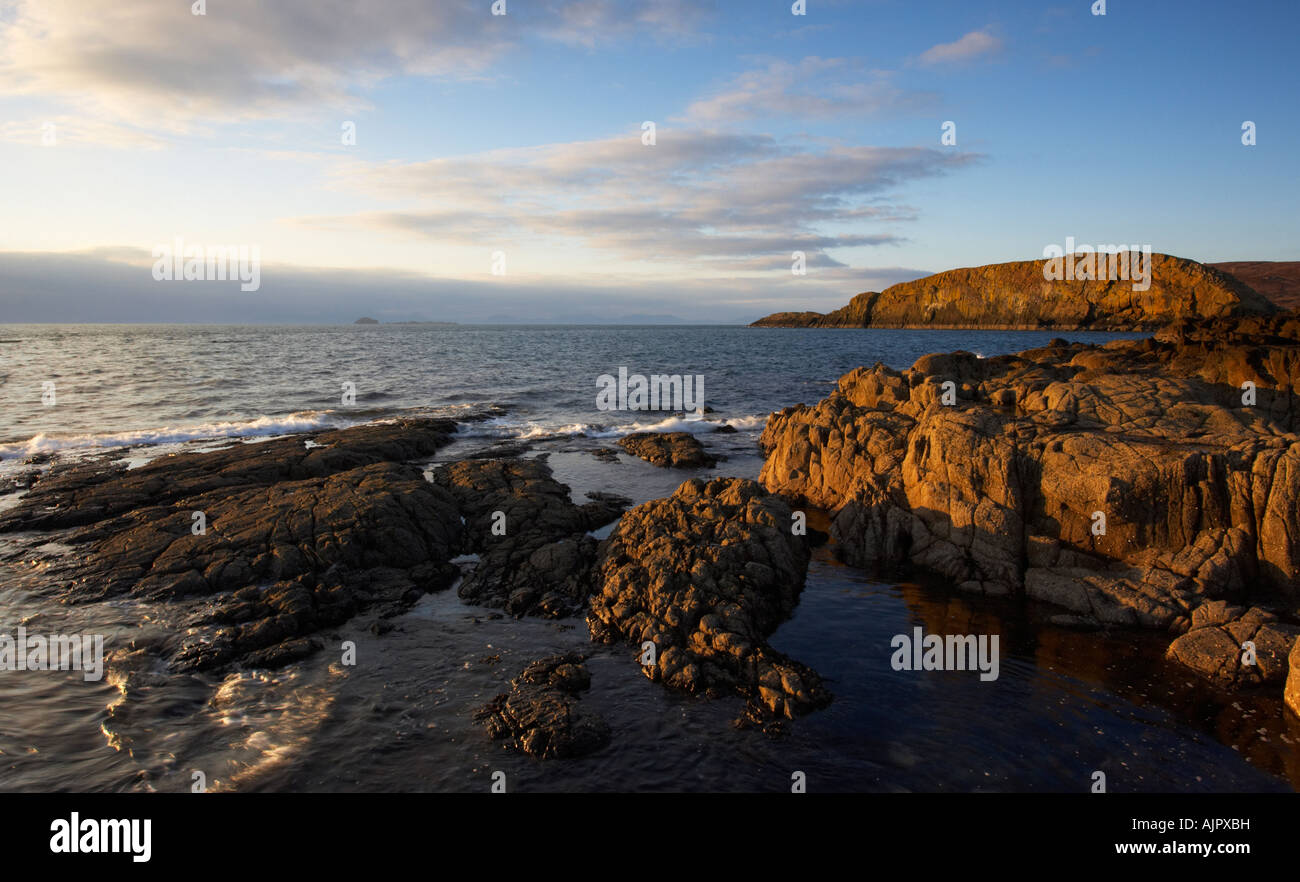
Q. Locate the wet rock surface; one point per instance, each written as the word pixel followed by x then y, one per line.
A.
pixel 1129 483
pixel 706 576
pixel 85 493
pixel 273 541
pixel 1236 645
pixel 680 450
pixel 377 516
pixel 535 556
pixel 541 714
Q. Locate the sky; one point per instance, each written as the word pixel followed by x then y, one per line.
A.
pixel 431 160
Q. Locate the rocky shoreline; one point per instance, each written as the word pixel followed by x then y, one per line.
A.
pixel 1150 484
pixel 988 473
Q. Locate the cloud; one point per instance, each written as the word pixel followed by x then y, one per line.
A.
pixel 115 286
pixel 703 200
pixel 154 65
pixel 64 129
pixel 153 62
pixel 812 88
pixel 969 47
pixel 589 22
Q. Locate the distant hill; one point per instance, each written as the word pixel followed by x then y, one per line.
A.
pixel 1278 280
pixel 366 321
pixel 1017 296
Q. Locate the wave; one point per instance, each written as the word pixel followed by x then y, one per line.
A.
pixel 504 428
pixel 475 421
pixel 304 421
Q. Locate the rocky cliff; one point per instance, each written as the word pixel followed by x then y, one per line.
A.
pixel 1017 295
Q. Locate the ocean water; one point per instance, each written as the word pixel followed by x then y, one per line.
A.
pixel 1066 704
pixel 127 385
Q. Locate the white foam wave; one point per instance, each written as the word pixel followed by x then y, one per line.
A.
pixel 305 421
pixel 506 428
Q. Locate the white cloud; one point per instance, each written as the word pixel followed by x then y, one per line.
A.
pixel 812 88
pixel 154 65
pixel 116 285
pixel 698 200
pixel 589 22
pixel 968 48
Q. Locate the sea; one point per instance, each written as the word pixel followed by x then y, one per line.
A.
pixel 1067 704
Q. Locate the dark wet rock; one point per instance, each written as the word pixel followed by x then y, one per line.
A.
pixel 1215 644
pixel 707 575
pixel 269 626
pixel 725 429
pixel 668 449
pixel 84 494
pixel 1078 623
pixel 535 554
pixel 293 537
pixel 607 454
pixel 616 502
pixel 501 450
pixel 21 481
pixel 378 516
pixel 541 714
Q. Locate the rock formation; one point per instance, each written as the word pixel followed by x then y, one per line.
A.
pixel 535 554
pixel 789 320
pixel 1219 632
pixel 278 539
pixel 1129 483
pixel 540 715
pixel 1016 295
pixel 705 576
pixel 85 493
pixel 1292 694
pixel 668 449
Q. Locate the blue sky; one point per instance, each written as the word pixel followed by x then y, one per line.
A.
pixel 521 135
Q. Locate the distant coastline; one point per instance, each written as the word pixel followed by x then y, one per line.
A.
pixel 364 320
pixel 1025 295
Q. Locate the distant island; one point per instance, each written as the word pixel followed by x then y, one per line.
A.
pixel 1029 295
pixel 364 320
